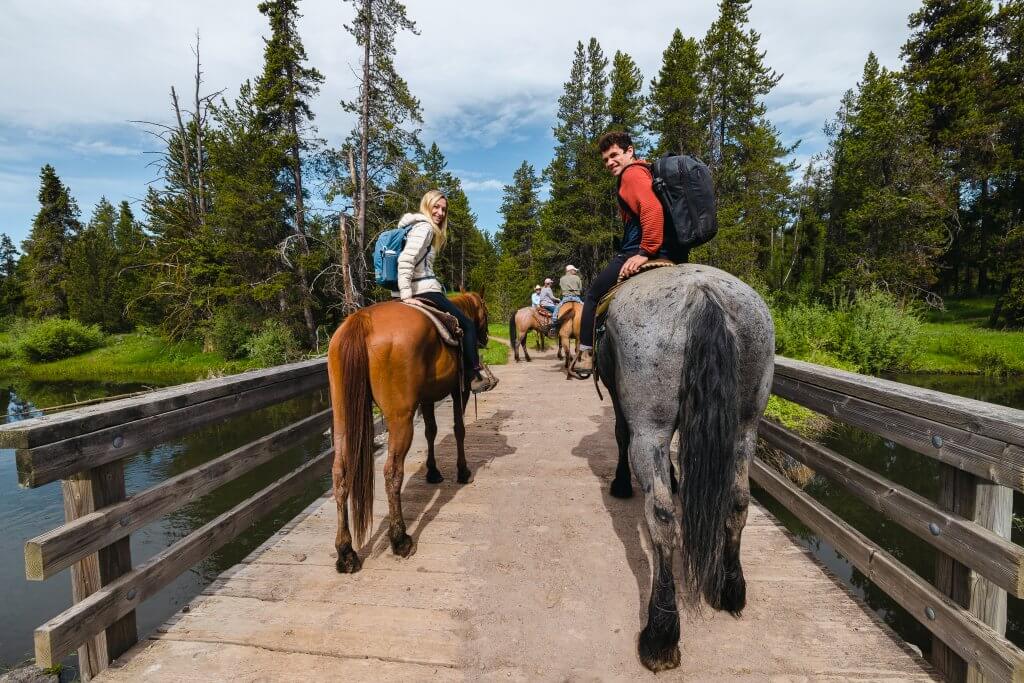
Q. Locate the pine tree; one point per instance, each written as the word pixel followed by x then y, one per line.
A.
pixel 388 116
pixel 519 241
pixel 283 95
pixel 11 287
pixel 744 151
pixel 91 284
pixel 580 220
pixel 1007 104
pixel 626 102
pixel 949 72
pixel 888 195
pixel 54 227
pixel 134 251
pixel 674 99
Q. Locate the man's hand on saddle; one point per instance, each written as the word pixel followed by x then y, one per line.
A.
pixel 632 265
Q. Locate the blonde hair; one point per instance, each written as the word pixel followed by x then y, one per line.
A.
pixel 427 204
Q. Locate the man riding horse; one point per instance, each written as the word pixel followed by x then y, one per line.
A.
pixel 643 234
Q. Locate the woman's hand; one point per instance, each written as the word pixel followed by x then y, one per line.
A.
pixel 412 300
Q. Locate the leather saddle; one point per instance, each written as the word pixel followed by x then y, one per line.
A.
pixel 606 300
pixel 447 324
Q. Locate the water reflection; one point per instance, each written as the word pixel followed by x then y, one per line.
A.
pixel 25 513
pixel 917 473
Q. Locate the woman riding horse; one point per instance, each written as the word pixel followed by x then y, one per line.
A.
pixel 392 355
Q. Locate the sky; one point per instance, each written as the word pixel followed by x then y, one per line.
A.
pixel 78 73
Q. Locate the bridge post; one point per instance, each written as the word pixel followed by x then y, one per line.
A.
pixel 990 506
pixel 85 493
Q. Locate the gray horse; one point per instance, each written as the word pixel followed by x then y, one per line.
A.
pixel 689 348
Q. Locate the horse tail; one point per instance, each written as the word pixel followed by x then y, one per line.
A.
pixel 513 332
pixel 708 426
pixel 348 367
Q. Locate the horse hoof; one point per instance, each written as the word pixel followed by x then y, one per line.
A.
pixel 434 477
pixel 655 653
pixel 404 546
pixel 464 476
pixel 348 560
pixel 734 596
pixel 622 489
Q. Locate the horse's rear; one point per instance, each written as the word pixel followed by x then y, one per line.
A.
pixel 389 354
pixel 570 315
pixel 688 348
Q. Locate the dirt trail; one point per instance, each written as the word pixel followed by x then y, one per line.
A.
pixel 530 572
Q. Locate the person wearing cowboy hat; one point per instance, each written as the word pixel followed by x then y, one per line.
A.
pixel 535 297
pixel 572 290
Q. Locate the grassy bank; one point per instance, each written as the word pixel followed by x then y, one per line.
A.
pixel 956 341
pixel 147 358
pixel 134 357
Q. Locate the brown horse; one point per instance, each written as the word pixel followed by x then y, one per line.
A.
pixel 569 317
pixel 391 355
pixel 519 325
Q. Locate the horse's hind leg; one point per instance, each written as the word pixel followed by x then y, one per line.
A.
pixel 348 561
pixel 622 485
pixel 658 645
pixel 430 431
pixel 525 344
pixel 460 434
pixel 734 590
pixel 399 439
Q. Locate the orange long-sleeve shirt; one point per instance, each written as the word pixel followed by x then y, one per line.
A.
pixel 637 194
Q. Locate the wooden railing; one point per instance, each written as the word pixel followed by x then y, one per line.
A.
pixel 980 448
pixel 85 450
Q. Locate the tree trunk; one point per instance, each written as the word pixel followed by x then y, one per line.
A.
pixel 364 134
pixel 997 310
pixel 300 221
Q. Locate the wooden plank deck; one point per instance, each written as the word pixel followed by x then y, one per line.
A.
pixel 530 572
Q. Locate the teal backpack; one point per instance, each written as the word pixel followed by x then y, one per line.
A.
pixel 385 255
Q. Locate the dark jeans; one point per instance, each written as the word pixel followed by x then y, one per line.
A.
pixel 470 354
pixel 598 288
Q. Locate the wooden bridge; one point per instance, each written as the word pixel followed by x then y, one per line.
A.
pixel 531 571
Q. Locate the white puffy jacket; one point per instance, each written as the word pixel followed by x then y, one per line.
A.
pixel 416 262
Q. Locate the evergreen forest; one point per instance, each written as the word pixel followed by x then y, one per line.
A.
pixel 920 192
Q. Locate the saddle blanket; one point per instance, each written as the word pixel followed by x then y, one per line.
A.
pixel 447 324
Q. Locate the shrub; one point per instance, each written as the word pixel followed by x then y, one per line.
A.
pixel 227 334
pixel 56 339
pixel 878 333
pixel 273 344
pixel 6 351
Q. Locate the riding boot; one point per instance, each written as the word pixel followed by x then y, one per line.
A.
pixel 583 366
pixel 483 381
pixel 552 330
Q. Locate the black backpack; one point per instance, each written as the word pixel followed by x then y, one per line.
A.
pixel 683 185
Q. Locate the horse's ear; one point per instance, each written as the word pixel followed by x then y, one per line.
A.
pixel 482 287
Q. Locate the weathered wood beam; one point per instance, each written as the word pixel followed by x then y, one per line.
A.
pixel 975 546
pixel 54 551
pixel 59 426
pixel 60 459
pixel 62 634
pixel 994 421
pixel 991 653
pixel 986 457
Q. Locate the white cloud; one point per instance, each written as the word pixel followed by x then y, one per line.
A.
pixel 490 184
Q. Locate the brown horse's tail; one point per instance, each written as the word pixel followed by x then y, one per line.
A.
pixel 513 332
pixel 348 367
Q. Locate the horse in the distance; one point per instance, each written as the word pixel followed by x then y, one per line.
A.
pixel 688 348
pixel 392 355
pixel 569 317
pixel 519 326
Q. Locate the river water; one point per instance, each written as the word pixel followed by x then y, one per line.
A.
pixel 25 513
pixel 919 474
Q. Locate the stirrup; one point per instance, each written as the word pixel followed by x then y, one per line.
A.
pixel 489 380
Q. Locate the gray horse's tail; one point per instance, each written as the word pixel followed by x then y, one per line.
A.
pixel 708 425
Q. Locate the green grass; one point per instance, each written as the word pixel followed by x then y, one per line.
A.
pixel 496 353
pixel 134 357
pixel 956 341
